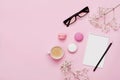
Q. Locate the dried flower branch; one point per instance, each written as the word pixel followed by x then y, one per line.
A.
pixel 99 20
pixel 71 75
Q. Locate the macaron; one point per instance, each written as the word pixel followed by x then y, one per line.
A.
pixel 62 36
pixel 78 36
pixel 72 48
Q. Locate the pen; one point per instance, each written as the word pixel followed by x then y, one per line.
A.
pixel 102 56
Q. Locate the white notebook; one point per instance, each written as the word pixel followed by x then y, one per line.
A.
pixel 96 46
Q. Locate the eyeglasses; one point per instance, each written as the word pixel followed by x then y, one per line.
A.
pixel 73 18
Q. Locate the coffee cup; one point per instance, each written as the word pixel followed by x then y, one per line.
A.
pixel 56 53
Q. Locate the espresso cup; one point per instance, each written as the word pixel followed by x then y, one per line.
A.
pixel 56 53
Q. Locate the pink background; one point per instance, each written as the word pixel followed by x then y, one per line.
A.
pixel 29 28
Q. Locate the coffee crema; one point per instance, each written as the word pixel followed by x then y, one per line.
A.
pixel 56 52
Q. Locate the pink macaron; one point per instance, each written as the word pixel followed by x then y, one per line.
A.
pixel 62 36
pixel 78 36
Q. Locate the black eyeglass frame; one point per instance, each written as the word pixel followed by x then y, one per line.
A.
pixel 84 10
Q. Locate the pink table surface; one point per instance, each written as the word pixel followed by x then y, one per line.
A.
pixel 29 28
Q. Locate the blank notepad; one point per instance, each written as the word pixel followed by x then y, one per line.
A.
pixel 96 46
